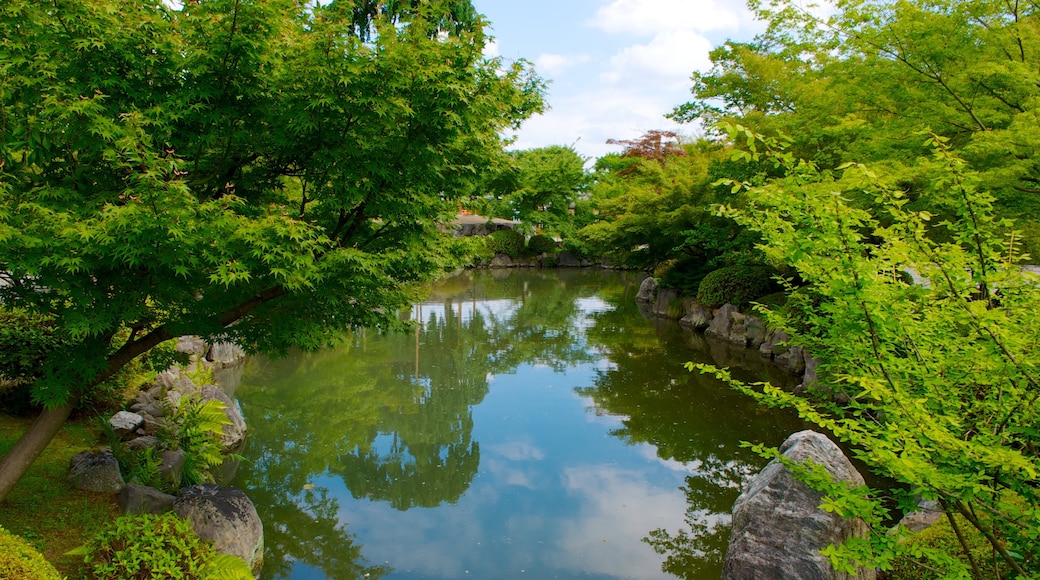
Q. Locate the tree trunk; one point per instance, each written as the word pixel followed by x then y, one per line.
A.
pixel 17 461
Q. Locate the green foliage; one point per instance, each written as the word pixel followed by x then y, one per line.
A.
pixel 18 559
pixel 539 187
pixel 197 427
pixel 25 341
pixel 940 542
pixel 942 379
pixel 508 241
pixel 737 285
pixel 541 244
pixel 657 209
pixel 149 546
pixel 214 167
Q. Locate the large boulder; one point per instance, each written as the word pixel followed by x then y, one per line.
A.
pixel 96 471
pixel 778 526
pixel 647 290
pixel 226 517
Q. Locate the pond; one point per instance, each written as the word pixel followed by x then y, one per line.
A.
pixel 533 425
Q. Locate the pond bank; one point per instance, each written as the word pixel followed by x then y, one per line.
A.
pixel 727 324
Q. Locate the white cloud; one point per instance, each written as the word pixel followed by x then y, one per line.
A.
pixel 491 49
pixel 653 16
pixel 666 61
pixel 551 65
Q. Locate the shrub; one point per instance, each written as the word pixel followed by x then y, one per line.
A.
pixel 736 285
pixel 140 547
pixel 541 244
pixel 149 546
pixel 508 242
pixel 18 559
pixel 684 274
pixel 936 553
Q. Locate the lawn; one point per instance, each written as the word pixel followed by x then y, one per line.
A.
pixel 44 508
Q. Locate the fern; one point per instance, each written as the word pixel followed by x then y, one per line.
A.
pixel 228 567
pixel 200 425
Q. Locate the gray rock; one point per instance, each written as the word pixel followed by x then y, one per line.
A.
pixel 225 354
pixel 235 432
pixel 501 261
pixel 792 359
pixel 226 517
pixel 171 467
pixel 141 499
pixel 125 423
pixel 728 324
pixel 698 318
pixel 754 331
pixel 191 345
pixel 926 514
pixel 96 471
pixel 778 527
pixel 568 259
pixel 647 290
pixel 143 442
pixel 810 376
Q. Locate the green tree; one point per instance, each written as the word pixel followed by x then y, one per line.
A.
pixel 938 380
pixel 654 206
pixel 541 187
pixel 271 172
pixel 856 85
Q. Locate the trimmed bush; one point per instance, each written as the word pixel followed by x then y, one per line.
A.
pixel 541 244
pixel 18 559
pixel 508 242
pixel 736 285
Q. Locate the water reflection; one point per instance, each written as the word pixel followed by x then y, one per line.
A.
pixel 533 425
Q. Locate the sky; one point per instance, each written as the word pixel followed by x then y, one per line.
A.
pixel 615 67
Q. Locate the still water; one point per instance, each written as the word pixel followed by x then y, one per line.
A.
pixel 534 425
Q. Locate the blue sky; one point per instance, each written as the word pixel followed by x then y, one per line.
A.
pixel 615 67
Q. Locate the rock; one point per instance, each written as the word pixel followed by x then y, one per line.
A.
pixel 501 261
pixel 125 423
pixel 171 467
pixel 568 259
pixel 810 376
pixel 143 442
pixel 225 354
pixel 754 331
pixel 778 527
pixel 793 359
pixel 96 471
pixel 667 304
pixel 191 345
pixel 729 325
pixel 234 433
pixel 698 318
pixel 141 499
pixel 151 426
pixel 926 514
pixel 647 290
pixel 173 400
pixel 226 517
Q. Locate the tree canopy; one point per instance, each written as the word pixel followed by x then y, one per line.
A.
pixel 271 172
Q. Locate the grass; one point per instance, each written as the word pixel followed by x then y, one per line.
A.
pixel 44 508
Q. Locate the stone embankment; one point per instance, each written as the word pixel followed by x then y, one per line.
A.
pixel 220 514
pixel 729 325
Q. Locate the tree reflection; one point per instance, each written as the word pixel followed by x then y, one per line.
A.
pixel 391 414
pixel 688 419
